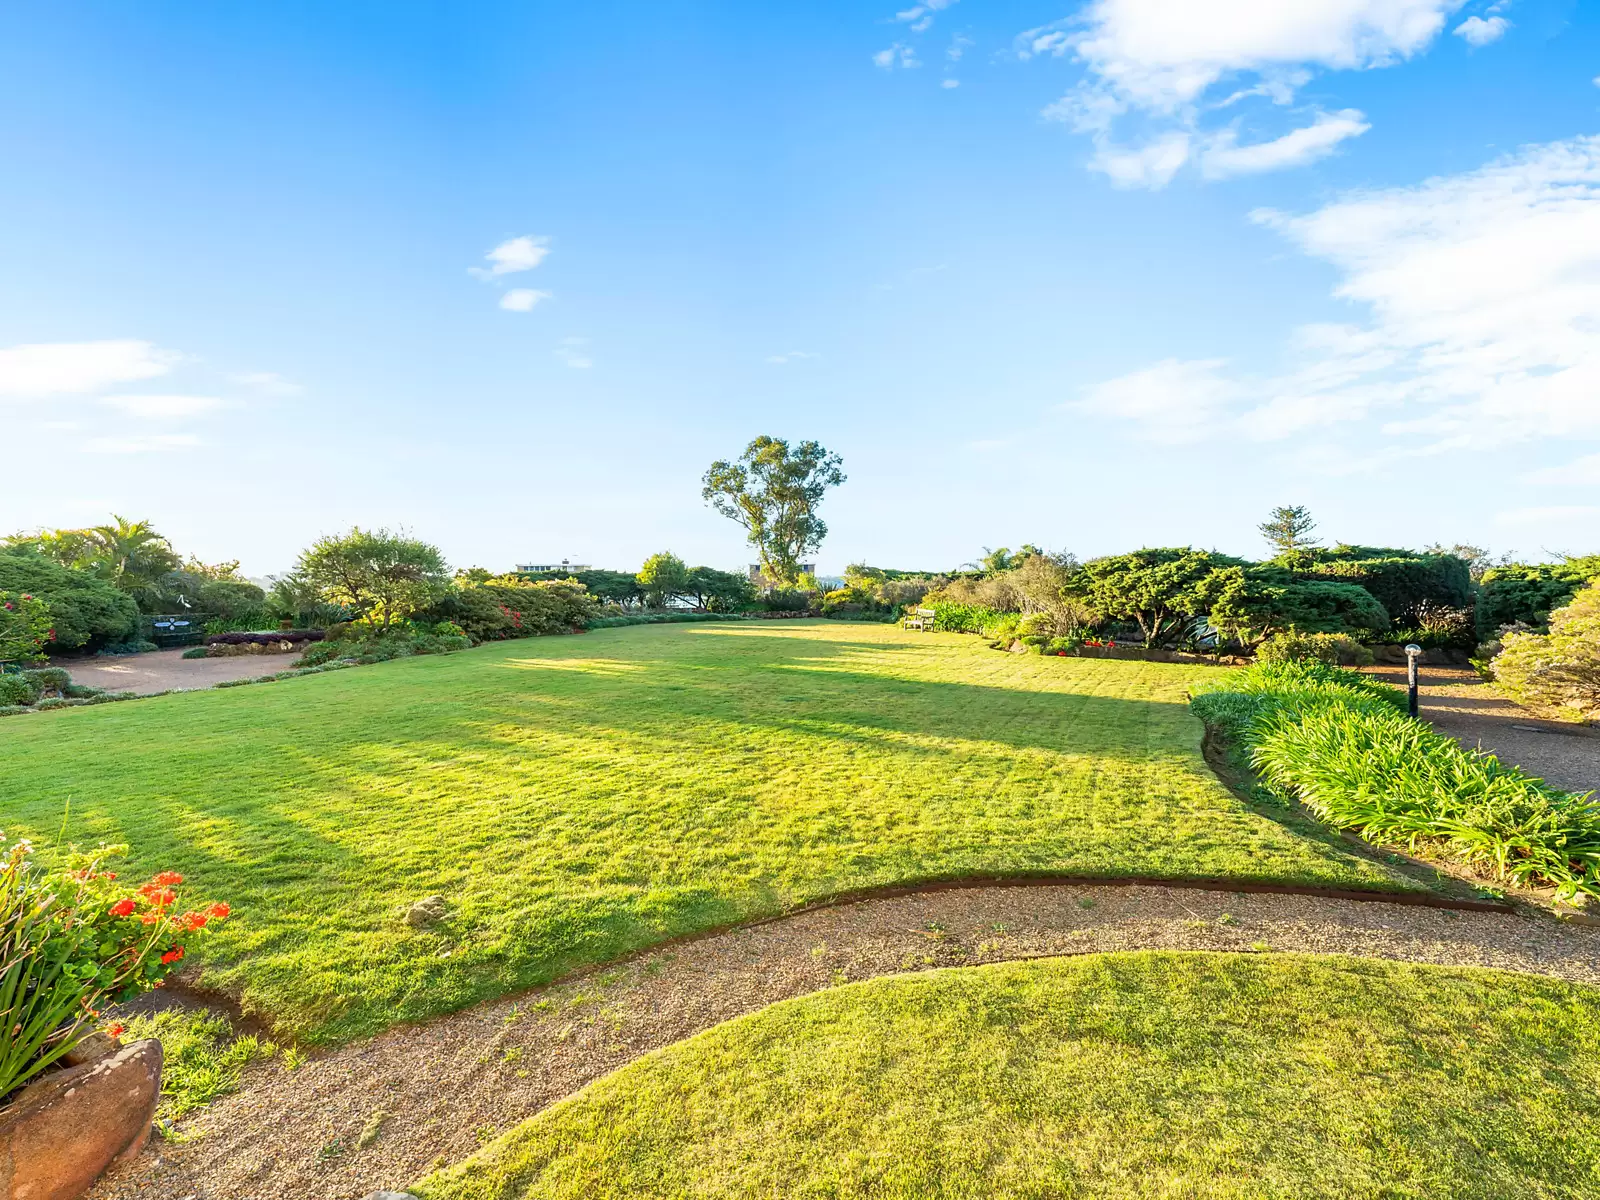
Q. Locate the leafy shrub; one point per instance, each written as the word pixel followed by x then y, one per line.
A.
pixel 195 652
pixel 50 679
pixel 1560 669
pixel 365 646
pixel 1344 746
pixel 668 618
pixel 73 941
pixel 318 653
pixel 25 627
pixel 509 606
pixel 254 621
pixel 1436 627
pixel 788 600
pixel 1334 648
pixel 968 618
pixel 15 689
pixel 1527 593
pixel 85 610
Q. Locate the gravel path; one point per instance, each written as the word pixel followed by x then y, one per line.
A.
pixel 431 1094
pixel 1458 702
pixel 163 670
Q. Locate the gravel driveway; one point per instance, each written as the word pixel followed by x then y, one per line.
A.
pixel 164 670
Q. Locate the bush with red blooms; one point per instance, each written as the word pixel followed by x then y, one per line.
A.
pixel 74 940
pixel 25 627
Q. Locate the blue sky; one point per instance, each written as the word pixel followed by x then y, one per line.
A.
pixel 1089 275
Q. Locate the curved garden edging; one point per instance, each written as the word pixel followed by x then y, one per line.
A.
pixel 433 1091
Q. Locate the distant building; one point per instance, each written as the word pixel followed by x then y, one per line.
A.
pixel 804 569
pixel 565 567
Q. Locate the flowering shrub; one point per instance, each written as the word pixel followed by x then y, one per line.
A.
pixel 1559 670
pixel 74 940
pixel 25 627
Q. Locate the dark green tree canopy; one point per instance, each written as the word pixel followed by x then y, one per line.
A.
pixel 773 492
pixel 86 610
pixel 1157 589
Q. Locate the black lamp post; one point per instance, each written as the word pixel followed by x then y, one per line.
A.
pixel 1413 652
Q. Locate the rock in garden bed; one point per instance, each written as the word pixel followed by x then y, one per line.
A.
pixel 287 641
pixel 63 1130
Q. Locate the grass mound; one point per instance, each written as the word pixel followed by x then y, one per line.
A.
pixel 1343 744
pixel 577 798
pixel 1147 1074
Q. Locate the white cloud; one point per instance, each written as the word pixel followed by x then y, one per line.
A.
pixel 1584 472
pixel 1161 55
pixel 1475 31
pixel 899 54
pixel 1482 294
pixel 145 444
pixel 1175 401
pixel 791 356
pixel 268 383
pixel 1150 166
pixel 57 368
pixel 1224 157
pixel 1161 60
pixel 513 255
pixel 573 351
pixel 163 408
pixel 522 299
pixel 958 47
pixel 950 83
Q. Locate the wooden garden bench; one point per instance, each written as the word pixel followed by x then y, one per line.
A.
pixel 918 618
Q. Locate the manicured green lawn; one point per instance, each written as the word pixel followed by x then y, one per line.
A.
pixel 576 798
pixel 1119 1075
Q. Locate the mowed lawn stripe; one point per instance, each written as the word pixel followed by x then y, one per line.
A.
pixel 577 798
pixel 1204 1076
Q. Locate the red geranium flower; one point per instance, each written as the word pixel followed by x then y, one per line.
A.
pixel 116 1029
pixel 172 956
pixel 218 912
pixel 166 879
pixel 193 920
pixel 122 908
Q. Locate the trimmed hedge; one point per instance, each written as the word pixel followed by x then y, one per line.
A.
pixel 1343 745
pixel 666 618
pixel 1404 585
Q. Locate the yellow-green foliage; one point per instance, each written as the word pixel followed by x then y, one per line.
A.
pixel 1560 669
pixel 1108 1076
pixel 576 798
